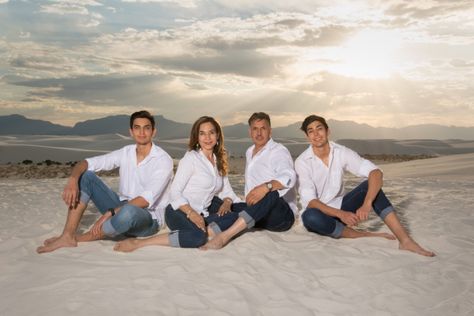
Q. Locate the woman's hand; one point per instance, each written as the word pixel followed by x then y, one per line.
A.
pixel 225 207
pixel 197 219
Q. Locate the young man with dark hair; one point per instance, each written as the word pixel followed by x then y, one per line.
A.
pixel 145 173
pixel 269 185
pixel 326 209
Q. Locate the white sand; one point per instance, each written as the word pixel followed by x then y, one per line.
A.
pixel 260 273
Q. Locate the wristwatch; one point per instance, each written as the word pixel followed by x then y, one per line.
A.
pixel 269 186
pixel 112 211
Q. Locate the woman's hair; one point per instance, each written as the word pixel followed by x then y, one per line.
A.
pixel 219 150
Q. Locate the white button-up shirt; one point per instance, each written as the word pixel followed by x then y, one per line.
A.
pixel 272 162
pixel 196 183
pixel 149 179
pixel 326 183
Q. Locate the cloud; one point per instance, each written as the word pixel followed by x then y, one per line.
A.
pixel 74 7
pixel 422 10
pixel 462 63
pixel 187 58
pixel 180 3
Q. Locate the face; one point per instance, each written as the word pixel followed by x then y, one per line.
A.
pixel 260 132
pixel 317 134
pixel 142 131
pixel 207 136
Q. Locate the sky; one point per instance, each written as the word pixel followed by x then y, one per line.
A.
pixel 385 63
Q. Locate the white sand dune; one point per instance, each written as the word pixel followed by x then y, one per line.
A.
pixel 260 273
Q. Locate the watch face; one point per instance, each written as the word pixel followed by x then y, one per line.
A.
pixel 269 185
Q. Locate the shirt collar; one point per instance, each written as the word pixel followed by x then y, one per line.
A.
pixel 309 154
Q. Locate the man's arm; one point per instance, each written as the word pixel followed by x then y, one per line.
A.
pixel 375 184
pixel 71 190
pixel 257 193
pixel 284 177
pixel 347 218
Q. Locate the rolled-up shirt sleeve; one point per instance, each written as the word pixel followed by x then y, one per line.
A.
pixel 227 191
pixel 158 182
pixel 108 161
pixel 306 187
pixel 357 165
pixel 181 178
pixel 284 170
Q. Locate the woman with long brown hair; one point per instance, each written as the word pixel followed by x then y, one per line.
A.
pixel 201 196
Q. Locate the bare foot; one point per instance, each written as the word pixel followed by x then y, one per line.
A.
pixel 58 242
pixel 127 245
pixel 412 246
pixel 50 240
pixel 217 242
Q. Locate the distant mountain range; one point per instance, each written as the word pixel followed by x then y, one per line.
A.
pixel 167 129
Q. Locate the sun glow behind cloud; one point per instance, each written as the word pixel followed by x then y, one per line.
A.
pixel 369 54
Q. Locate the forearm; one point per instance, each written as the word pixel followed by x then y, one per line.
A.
pixel 186 209
pixel 375 182
pixel 139 202
pixel 276 185
pixel 326 209
pixel 78 170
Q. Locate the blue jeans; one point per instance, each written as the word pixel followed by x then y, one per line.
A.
pixel 129 221
pixel 185 234
pixel 271 213
pixel 316 221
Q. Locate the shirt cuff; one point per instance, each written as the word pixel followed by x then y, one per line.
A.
pixel 178 202
pixel 148 196
pixel 284 180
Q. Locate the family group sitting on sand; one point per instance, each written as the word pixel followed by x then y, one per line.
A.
pixel 198 204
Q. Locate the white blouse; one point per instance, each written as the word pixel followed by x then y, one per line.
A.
pixel 326 183
pixel 197 181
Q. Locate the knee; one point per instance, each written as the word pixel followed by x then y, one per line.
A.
pixel 86 177
pixel 128 213
pixel 315 221
pixel 198 239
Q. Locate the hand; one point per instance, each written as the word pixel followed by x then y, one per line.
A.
pixel 198 220
pixel 96 229
pixel 363 212
pixel 71 194
pixel 225 207
pixel 348 218
pixel 256 194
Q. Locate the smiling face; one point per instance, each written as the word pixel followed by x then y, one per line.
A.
pixel 317 134
pixel 207 136
pixel 142 131
pixel 260 132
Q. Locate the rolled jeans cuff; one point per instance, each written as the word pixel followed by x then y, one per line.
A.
pixel 215 228
pixel 174 239
pixel 386 211
pixel 84 198
pixel 108 229
pixel 337 233
pixel 249 221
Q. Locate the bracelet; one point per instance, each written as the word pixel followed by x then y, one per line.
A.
pixel 112 211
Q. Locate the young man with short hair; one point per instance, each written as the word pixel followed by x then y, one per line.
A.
pixel 137 210
pixel 326 209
